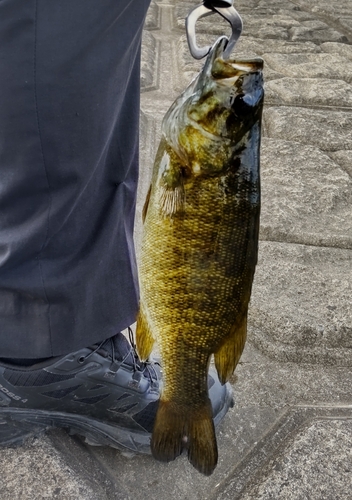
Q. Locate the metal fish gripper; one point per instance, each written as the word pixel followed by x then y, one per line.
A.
pixel 226 10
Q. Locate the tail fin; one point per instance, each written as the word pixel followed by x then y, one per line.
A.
pixel 180 427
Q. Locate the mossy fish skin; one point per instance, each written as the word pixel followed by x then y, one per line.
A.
pixel 199 248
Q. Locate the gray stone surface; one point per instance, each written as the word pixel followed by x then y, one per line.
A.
pixel 261 46
pixel 301 303
pixel 330 131
pixel 337 14
pixel 289 434
pixel 307 197
pixel 38 470
pixel 342 50
pixel 150 62
pixel 290 459
pixel 308 32
pixel 344 159
pixel 309 92
pixel 322 65
pixel 318 464
pixel 153 20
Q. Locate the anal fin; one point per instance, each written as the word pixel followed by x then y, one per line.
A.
pixel 228 356
pixel 144 338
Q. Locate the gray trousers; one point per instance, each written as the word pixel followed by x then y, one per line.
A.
pixel 69 111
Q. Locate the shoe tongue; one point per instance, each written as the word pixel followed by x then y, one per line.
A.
pixel 122 348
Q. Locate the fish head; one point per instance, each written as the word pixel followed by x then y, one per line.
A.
pixel 210 123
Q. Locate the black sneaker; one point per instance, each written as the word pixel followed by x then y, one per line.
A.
pixel 103 393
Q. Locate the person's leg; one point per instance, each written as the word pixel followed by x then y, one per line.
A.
pixel 69 109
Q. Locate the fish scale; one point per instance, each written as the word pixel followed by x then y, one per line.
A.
pixel 199 249
pixel 183 276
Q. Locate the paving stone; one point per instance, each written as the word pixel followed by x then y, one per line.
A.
pixel 276 453
pixel 301 303
pixel 250 5
pixel 262 46
pixel 262 11
pixel 346 23
pixel 315 24
pixel 298 15
pixel 277 5
pixel 152 20
pixel 149 62
pixel 330 131
pixel 270 74
pixel 37 470
pixel 344 159
pixel 306 196
pixel 342 49
pixel 318 464
pixel 274 27
pixel 309 92
pixel 309 65
pixel 263 382
pixel 341 8
pixel 303 33
pixel 311 23
pixel 336 16
pixel 267 31
pixel 188 66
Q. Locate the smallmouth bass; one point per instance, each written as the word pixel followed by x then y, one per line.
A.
pixel 199 248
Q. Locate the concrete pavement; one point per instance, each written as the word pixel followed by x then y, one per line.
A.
pixel 289 434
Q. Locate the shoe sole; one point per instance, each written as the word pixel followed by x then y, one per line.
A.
pixel 18 425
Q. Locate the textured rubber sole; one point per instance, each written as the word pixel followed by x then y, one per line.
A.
pixel 17 425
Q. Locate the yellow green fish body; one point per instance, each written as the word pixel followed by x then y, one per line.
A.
pixel 199 248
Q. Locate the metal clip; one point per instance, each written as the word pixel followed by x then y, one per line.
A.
pixel 227 11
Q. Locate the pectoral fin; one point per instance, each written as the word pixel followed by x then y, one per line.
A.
pixel 227 357
pixel 171 200
pixel 171 188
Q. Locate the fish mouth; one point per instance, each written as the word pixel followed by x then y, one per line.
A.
pixel 231 69
pixel 247 65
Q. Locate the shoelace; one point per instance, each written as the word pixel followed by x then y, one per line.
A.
pixel 147 365
pixel 144 368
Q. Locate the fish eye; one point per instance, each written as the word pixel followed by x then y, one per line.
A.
pixel 240 106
